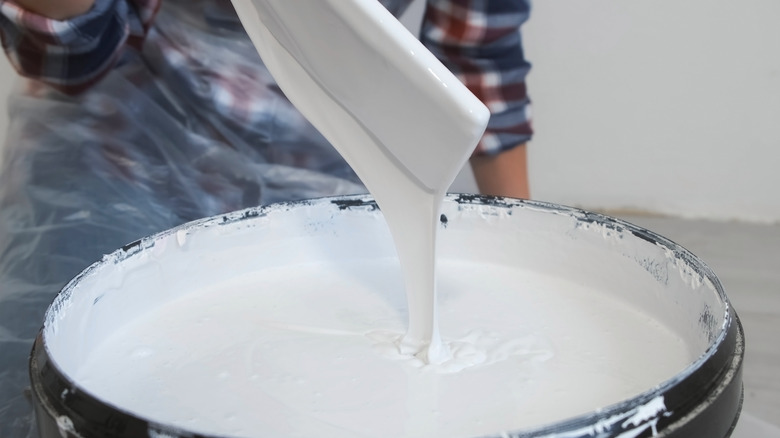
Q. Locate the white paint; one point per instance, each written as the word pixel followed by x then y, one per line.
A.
pixel 634 421
pixel 403 122
pixel 65 426
pixel 299 293
pixel 646 417
pixel 296 344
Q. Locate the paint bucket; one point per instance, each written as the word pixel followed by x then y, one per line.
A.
pixel 702 400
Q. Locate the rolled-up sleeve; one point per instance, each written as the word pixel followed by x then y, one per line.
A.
pixel 74 54
pixel 480 42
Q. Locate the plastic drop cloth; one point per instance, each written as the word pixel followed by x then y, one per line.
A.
pixel 145 150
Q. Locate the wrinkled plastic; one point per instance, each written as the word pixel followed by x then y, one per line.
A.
pixel 145 150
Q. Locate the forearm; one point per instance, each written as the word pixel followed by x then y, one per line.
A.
pixel 57 9
pixel 504 174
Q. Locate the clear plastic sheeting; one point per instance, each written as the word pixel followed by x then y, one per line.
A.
pixel 147 149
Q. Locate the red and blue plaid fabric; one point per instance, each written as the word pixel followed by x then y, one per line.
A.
pixel 478 40
pixel 72 55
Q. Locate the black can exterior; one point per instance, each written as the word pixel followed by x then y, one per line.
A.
pixel 703 403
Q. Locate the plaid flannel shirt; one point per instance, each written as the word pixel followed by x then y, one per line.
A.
pixel 478 40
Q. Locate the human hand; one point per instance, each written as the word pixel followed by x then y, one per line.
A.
pixel 57 9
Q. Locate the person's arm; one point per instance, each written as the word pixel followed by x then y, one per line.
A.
pixel 504 174
pixel 57 9
pixel 480 43
pixel 72 44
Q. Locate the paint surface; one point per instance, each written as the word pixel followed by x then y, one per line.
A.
pixel 303 351
pixel 288 317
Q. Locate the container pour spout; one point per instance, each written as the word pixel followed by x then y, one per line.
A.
pixel 398 116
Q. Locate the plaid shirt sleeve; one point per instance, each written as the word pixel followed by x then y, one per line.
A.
pixel 74 54
pixel 480 42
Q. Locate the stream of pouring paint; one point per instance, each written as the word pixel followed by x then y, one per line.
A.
pixel 402 121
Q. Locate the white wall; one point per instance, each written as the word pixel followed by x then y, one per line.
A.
pixel 664 106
